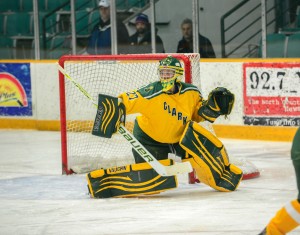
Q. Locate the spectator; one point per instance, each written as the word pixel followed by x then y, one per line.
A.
pixel 185 45
pixel 100 39
pixel 293 11
pixel 141 39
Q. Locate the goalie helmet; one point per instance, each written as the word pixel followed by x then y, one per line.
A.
pixel 169 71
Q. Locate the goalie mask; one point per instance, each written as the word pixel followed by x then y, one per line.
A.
pixel 170 71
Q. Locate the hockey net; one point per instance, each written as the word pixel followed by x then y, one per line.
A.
pixel 111 75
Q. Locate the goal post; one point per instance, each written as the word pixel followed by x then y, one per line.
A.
pixel 110 75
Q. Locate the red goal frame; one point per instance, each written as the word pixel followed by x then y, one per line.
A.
pixel 133 57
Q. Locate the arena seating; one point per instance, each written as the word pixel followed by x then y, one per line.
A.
pixel 280 45
pixel 293 46
pixel 17 25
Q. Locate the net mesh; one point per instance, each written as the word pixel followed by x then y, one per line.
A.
pixel 85 152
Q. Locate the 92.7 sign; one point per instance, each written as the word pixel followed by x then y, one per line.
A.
pixel 271 89
pixel 278 79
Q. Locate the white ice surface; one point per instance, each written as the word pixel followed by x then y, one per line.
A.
pixel 36 199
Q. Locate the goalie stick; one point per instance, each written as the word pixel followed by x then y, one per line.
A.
pixel 177 168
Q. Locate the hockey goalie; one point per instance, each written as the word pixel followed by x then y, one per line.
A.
pixel 170 112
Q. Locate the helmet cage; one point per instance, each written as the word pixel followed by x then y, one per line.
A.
pixel 168 83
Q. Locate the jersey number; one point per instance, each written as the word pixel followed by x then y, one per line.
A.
pixel 132 95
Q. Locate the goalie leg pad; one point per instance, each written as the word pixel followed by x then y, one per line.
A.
pixel 128 181
pixel 209 158
pixel 109 116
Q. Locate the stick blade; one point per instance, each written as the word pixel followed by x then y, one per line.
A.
pixel 178 168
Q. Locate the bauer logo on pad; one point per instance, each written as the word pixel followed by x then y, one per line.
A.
pixel 98 119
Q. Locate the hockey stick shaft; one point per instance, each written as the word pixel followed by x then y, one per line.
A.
pixel 79 87
pixel 178 168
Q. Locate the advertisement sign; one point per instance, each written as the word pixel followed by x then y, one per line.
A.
pixel 15 89
pixel 271 94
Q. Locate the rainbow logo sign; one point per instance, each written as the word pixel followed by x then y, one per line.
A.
pixel 12 93
pixel 15 90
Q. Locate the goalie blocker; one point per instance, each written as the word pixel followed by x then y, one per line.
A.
pixel 110 114
pixel 128 181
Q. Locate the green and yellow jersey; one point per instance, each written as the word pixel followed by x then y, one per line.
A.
pixel 164 116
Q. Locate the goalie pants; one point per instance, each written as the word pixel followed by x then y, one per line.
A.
pixel 158 150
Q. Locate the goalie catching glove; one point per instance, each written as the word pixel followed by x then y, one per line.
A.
pixel 110 114
pixel 220 102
